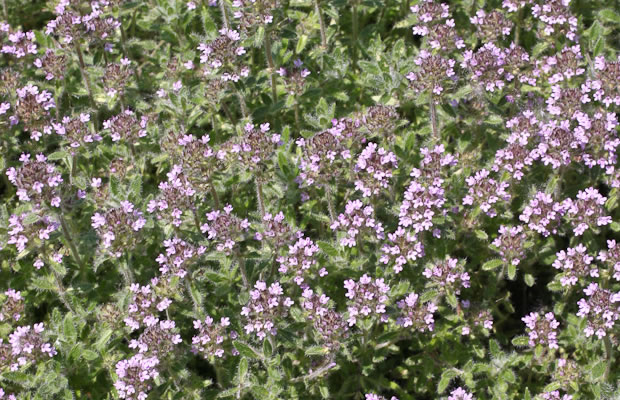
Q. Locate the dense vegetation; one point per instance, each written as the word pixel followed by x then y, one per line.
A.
pixel 306 199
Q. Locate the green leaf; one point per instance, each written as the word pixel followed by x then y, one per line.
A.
pixel 89 355
pixel 609 15
pixel 529 280
pixel 328 249
pixel 598 371
pixel 491 264
pixel 521 341
pixel 301 44
pixel 512 271
pixel 58 155
pixel 480 234
pixel 243 369
pixel 446 377
pixel 267 348
pixel 246 350
pixel 494 348
pixel 103 339
pixel 316 351
pixel 68 328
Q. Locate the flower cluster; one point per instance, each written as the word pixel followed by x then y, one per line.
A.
pixel 611 257
pixel 28 227
pixel 485 192
pixel 366 297
pixel 542 214
pixel 400 248
pixel 601 309
pixel 510 244
pixel 145 305
pixel 178 256
pixel 175 196
pixel 357 219
pixel 328 323
pixel 32 109
pixel 76 130
pixel 294 78
pixel 266 307
pixel 374 170
pixel 460 394
pixel 157 338
pixel 222 56
pixel 576 263
pixel 20 43
pixel 53 64
pixel 433 74
pixel 301 256
pixel 212 339
pixel 542 330
pixel 134 376
pixel 36 180
pixel 449 275
pixel 255 148
pixel 225 229
pixel 125 126
pixel 27 345
pixel 12 306
pixel 587 211
pixel 434 22
pixel 416 314
pixel 117 228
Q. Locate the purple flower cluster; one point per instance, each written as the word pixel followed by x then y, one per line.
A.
pixel 542 214
pixel 587 211
pixel 542 330
pixel 460 394
pixel 485 192
pixel 301 257
pixel 329 324
pixel 175 196
pixel 601 309
pixel 225 229
pixel 400 248
pixel 178 256
pixel 357 220
pixel 28 227
pixel 366 297
pixel 416 314
pixel 26 344
pixel 36 180
pixel 135 376
pixel 212 339
pixel 266 307
pixel 222 56
pixel 611 257
pixel 576 263
pixel 374 170
pixel 116 228
pixel 145 305
pixel 12 306
pixel 448 275
pixel 510 244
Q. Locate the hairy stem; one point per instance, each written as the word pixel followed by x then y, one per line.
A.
pixel 5 9
pixel 272 68
pixel 317 9
pixel 62 292
pixel 78 50
pixel 260 197
pixel 433 117
pixel 354 35
pixel 126 270
pixel 224 16
pixel 609 354
pixel 244 274
pixel 69 238
pixel 330 202
pixel 216 198
pixel 242 104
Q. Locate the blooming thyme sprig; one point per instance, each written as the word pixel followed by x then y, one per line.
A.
pixel 433 74
pixel 415 314
pixel 213 339
pixel 175 197
pixel 275 231
pixel 117 228
pixel 329 324
pixel 32 109
pixel 368 298
pixel 601 309
pixel 135 375
pixel 157 339
pixel 374 170
pixel 223 56
pixel 179 255
pixel 554 395
pixel 53 64
pixel 125 126
pixel 400 248
pixel 374 396
pixel 542 330
pixel 300 258
pixel 322 159
pixel 294 78
pixel 611 257
pixel 36 180
pixel 266 307
pixel 145 305
pixel 225 229
pixel 434 22
pixel 576 264
pixel 250 14
pixel 26 345
pixel 587 211
pixel 556 19
pixel 460 394
pixel 491 26
pixel 76 130
pixel 381 121
pixel 30 228
pixel 116 77
pixel 357 221
pixel 605 85
pixel 12 306
pixel 485 192
pixel 543 214
pixel 510 244
pixel 19 44
pixel 449 276
pixel 255 148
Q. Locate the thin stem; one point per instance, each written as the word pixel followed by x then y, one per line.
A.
pixel 518 26
pixel 260 197
pixel 69 238
pixel 297 118
pixel 244 274
pixel 123 38
pixel 228 113
pixel 317 9
pixel 330 202
pixel 354 35
pixel 244 107
pixel 609 352
pixel 74 161
pixel 189 283
pixel 272 68
pixel 126 270
pixel 224 16
pixel 327 365
pixel 78 50
pixel 6 11
pixel 196 221
pixel 433 117
pixel 216 198
pixel 62 292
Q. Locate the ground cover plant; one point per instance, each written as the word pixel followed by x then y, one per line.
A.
pixel 309 199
